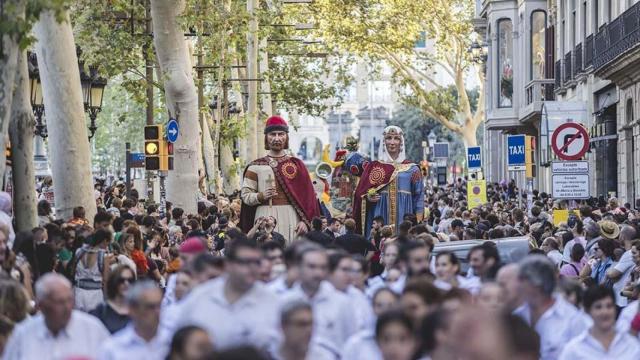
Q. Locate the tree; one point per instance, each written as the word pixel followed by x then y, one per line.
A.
pixel 387 31
pixel 181 100
pixel 71 158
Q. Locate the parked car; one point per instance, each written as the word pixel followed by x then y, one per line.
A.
pixel 510 249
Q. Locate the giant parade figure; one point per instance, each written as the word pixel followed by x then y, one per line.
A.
pixel 390 187
pixel 278 185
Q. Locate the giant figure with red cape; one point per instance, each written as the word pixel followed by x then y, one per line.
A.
pixel 278 185
pixel 390 187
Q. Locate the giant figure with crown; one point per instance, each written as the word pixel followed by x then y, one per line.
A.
pixel 390 187
pixel 278 185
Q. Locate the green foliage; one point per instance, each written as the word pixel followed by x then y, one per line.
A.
pixel 122 120
pixel 17 18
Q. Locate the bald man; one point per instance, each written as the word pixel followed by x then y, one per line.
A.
pixel 507 278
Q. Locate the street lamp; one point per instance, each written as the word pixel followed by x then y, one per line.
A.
pixel 35 91
pixel 93 103
pixel 479 52
pixel 432 139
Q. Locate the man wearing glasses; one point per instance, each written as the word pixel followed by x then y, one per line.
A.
pixel 235 309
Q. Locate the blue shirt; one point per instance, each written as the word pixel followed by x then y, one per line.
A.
pixel 599 271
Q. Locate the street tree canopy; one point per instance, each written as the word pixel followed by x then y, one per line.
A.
pixel 387 31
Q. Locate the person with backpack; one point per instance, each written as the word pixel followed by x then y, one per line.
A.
pixel 578 261
pixel 90 270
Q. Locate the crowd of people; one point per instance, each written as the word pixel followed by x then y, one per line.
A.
pixel 132 284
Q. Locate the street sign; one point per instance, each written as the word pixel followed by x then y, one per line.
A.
pixel 136 160
pixel 570 167
pixel 441 150
pixel 476 192
pixel 570 141
pixel 570 186
pixel 474 159
pixel 172 130
pixel 516 152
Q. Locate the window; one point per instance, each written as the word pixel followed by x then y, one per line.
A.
pixel 584 20
pixel 538 26
pixel 574 24
pixel 505 63
pixel 596 16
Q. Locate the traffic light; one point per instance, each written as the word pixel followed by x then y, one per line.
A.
pixel 152 146
pixel 166 155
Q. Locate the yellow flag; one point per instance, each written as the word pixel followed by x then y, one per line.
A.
pixel 476 193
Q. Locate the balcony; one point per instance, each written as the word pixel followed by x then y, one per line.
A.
pixel 577 61
pixel 588 52
pixel 536 92
pixel 557 74
pixel 568 75
pixel 617 37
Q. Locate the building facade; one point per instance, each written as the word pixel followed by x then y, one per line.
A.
pixel 578 57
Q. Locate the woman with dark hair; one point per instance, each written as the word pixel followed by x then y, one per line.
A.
pixel 45 214
pixel 578 261
pixel 419 298
pixel 114 312
pixel 395 336
pixel 594 272
pixel 602 340
pixel 433 330
pixel 14 303
pixel 190 343
pixel 448 274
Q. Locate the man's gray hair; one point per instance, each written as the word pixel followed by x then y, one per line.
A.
pixel 135 292
pixel 540 272
pixel 591 230
pixel 291 307
pixel 46 283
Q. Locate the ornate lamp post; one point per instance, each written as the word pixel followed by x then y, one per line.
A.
pixel 94 101
pixel 37 101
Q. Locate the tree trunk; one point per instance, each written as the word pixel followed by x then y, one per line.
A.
pixel 252 83
pixel 69 148
pixel 231 180
pixel 21 133
pixel 8 68
pixel 182 101
pixel 468 133
pixel 209 151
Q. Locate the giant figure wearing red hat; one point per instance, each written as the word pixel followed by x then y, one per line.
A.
pixel 278 185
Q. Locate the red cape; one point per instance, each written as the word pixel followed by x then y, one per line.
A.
pixel 293 177
pixel 375 176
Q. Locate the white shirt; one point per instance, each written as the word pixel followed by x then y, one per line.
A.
pixel 361 308
pixel 624 266
pixel 278 285
pixel 251 320
pixel 170 291
pixel 362 346
pixel 127 344
pixel 559 324
pixel 555 256
pixel 472 284
pixel 333 316
pixel 586 347
pixel 316 351
pixel 31 339
pixel 626 316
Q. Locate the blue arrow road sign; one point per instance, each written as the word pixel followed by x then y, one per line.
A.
pixel 172 131
pixel 474 160
pixel 515 152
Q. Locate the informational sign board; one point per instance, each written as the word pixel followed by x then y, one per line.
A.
pixel 560 216
pixel 441 150
pixel 136 160
pixel 570 167
pixel 516 152
pixel 570 186
pixel 570 141
pixel 476 193
pixel 474 158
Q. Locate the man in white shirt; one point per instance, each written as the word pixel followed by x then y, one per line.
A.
pixel 507 278
pixel 58 332
pixel 333 316
pixel 554 319
pixel 621 271
pixel 141 338
pixel 235 309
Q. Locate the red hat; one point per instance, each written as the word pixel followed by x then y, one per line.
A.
pixel 192 245
pixel 276 123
